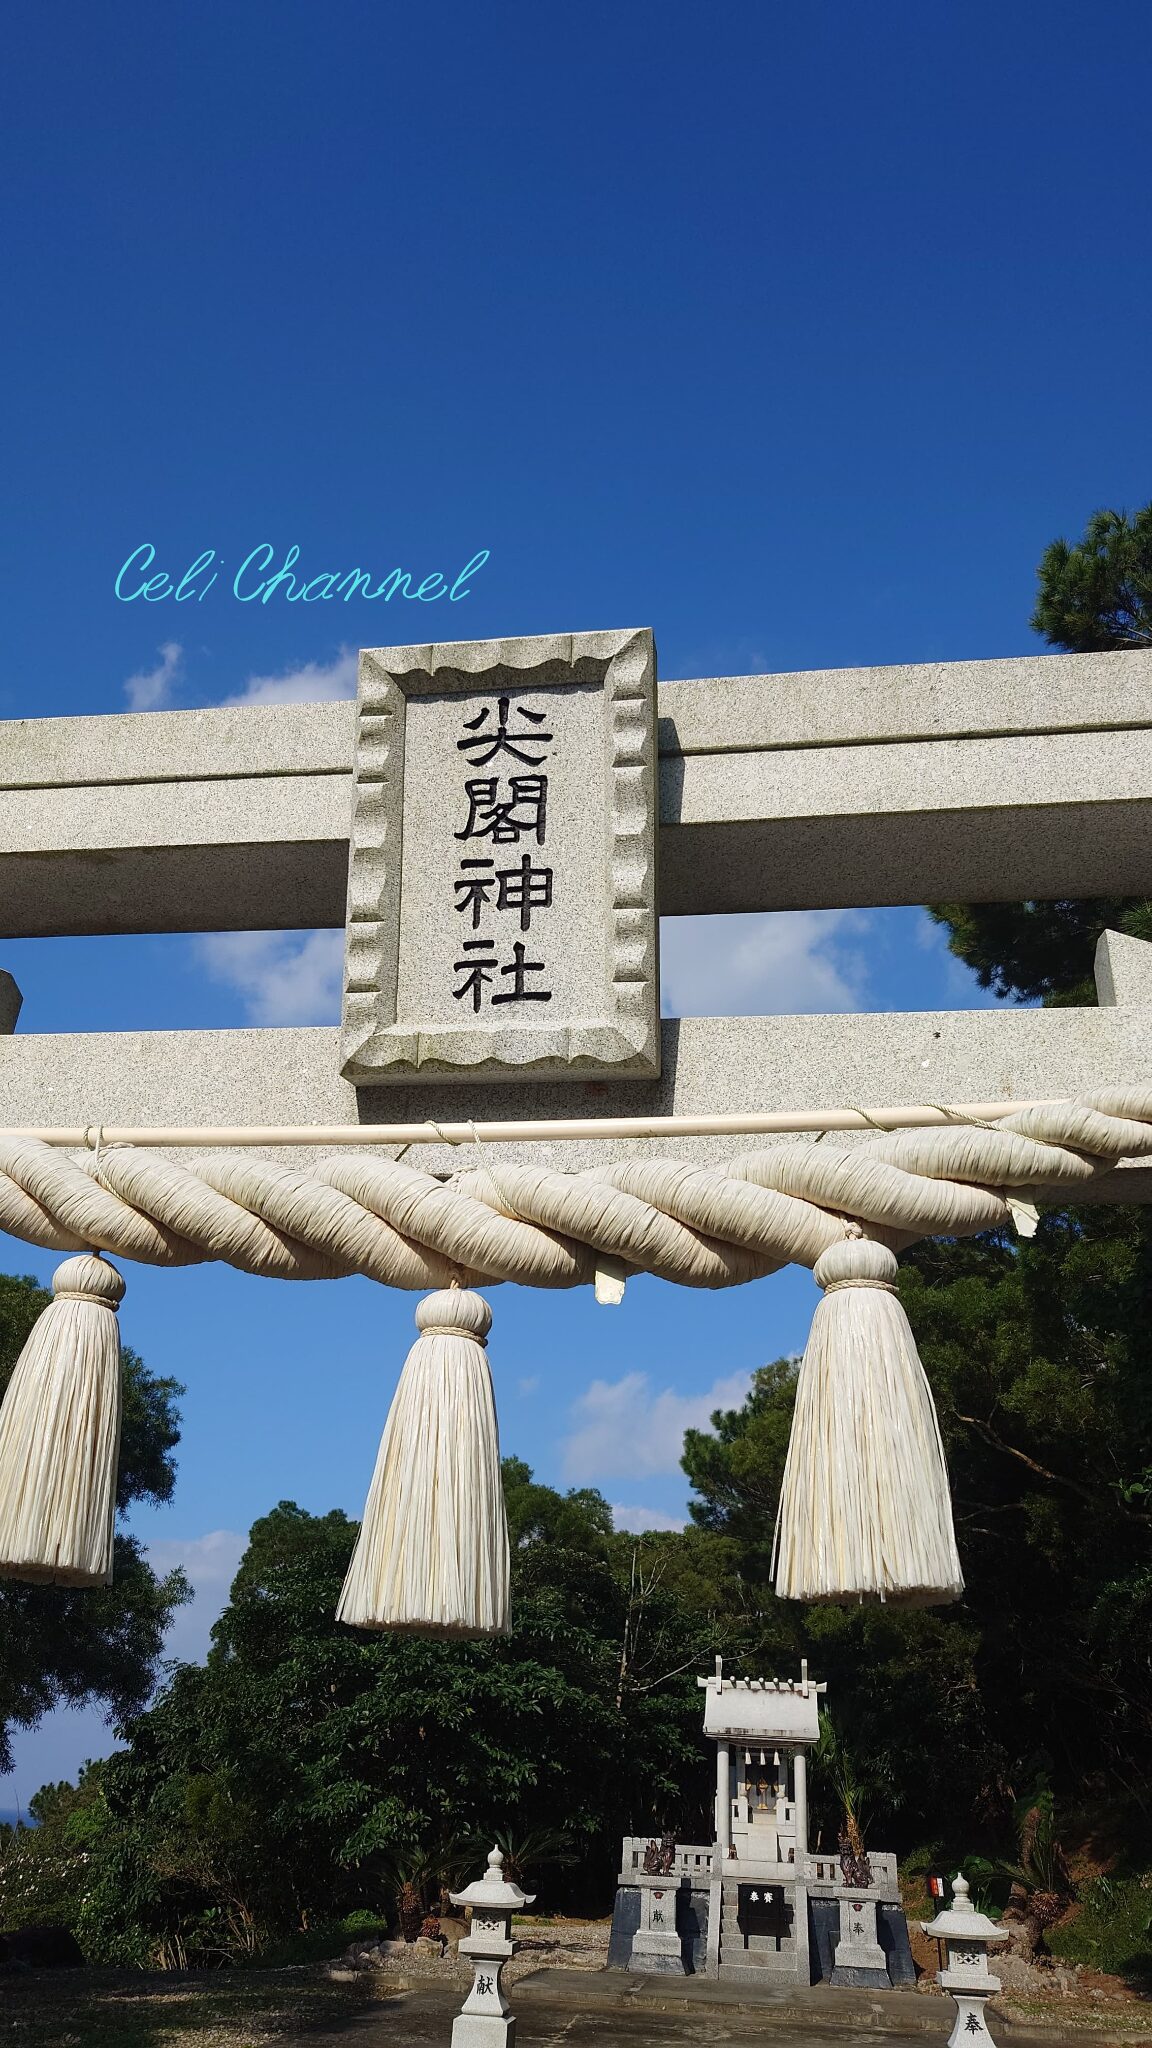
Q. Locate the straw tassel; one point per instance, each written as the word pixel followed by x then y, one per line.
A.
pixel 865 1510
pixel 60 1434
pixel 432 1554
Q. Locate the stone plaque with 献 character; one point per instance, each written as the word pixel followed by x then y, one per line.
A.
pixel 502 888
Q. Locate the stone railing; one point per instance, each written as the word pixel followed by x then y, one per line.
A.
pixel 825 1875
pixel 694 1861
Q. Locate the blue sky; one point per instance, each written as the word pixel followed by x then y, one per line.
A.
pixel 793 333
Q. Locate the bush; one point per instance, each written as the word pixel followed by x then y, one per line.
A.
pixel 1112 1930
pixel 317 1944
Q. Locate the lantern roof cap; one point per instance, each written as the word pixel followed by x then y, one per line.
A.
pixel 961 1921
pixel 493 1889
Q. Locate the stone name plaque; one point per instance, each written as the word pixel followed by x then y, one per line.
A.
pixel 502 889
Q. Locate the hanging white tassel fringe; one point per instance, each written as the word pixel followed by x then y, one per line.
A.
pixel 432 1554
pixel 865 1510
pixel 60 1434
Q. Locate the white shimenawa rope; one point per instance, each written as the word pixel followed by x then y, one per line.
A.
pixel 865 1511
pixel 701 1226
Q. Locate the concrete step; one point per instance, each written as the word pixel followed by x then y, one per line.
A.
pixel 755 1974
pixel 775 1963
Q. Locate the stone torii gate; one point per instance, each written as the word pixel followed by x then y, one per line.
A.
pixel 984 781
pixel 499 825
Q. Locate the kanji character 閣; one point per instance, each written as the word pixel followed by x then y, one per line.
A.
pixel 524 811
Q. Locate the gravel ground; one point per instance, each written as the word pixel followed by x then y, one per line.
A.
pixel 543 1945
pixel 176 2009
pixel 575 2005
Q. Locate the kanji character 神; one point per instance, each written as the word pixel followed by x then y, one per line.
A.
pixel 522 888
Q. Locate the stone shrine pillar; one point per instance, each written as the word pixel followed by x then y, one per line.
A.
pixel 859 1962
pixel 723 1798
pixel 800 1806
pixel 656 1946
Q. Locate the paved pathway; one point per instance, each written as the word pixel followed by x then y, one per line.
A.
pixel 580 2009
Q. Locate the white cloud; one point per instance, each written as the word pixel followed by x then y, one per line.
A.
pixel 151 689
pixel 315 682
pixel 636 1520
pixel 762 963
pixel 623 1428
pixel 284 977
pixel 529 1385
pixel 210 1563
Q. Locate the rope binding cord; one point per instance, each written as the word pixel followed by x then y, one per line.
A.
pixel 864 1512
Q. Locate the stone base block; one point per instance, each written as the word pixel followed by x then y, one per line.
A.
pixel 755 1973
pixel 656 1941
pixel 657 1952
pixel 856 1977
pixel 483 2030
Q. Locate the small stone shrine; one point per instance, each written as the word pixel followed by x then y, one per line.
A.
pixel 757 1905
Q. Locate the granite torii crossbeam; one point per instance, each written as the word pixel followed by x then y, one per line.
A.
pixel 987 780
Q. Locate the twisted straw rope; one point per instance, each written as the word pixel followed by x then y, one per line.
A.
pixel 702 1226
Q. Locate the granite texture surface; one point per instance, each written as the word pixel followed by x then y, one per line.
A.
pixel 825 788
pixel 710 1066
pixel 502 881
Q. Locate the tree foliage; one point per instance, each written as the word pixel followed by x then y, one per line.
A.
pixel 308 1771
pixel 1040 1358
pixel 1094 597
pixel 1097 594
pixel 62 1645
pixel 1041 1352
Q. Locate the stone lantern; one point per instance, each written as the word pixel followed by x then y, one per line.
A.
pixel 484 2020
pixel 967 1936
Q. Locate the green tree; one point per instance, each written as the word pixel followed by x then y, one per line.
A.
pixel 1093 597
pixel 62 1645
pixel 43 1867
pixel 902 1683
pixel 308 1770
pixel 1040 1352
pixel 1039 1355
pixel 1045 1347
pixel 1097 595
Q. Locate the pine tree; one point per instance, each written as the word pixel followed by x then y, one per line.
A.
pixel 1093 598
pixel 1097 595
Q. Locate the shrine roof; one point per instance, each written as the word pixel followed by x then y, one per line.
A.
pixel 770 1712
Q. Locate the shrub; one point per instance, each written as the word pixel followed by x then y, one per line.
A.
pixel 1112 1930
